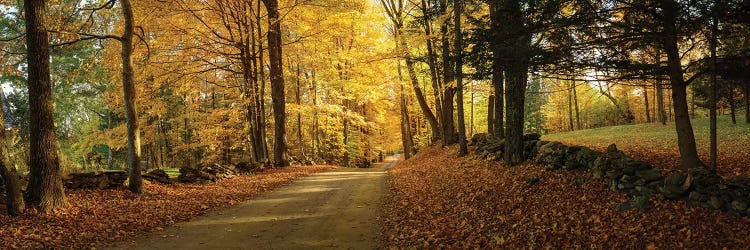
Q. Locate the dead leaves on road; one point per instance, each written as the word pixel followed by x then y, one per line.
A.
pixel 438 200
pixel 97 218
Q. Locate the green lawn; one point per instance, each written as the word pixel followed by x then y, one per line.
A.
pixel 658 144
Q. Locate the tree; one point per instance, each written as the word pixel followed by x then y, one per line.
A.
pixel 498 77
pixel 45 181
pixel 15 204
pixel 128 84
pixel 277 82
pixel 395 11
pixel 457 10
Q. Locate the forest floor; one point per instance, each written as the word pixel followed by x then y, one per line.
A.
pixel 439 200
pixel 657 144
pixel 99 217
pixel 337 209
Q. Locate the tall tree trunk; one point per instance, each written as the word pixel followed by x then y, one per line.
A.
pixel 110 155
pixel 714 92
pixel 497 68
pixel 645 102
pixel 448 128
pixel 747 102
pixel 575 102
pixel 517 68
pixel 406 136
pixel 432 61
pixel 685 137
pixel 15 203
pixel 462 147
pixel 491 115
pixel 732 106
pixel 128 84
pixel 277 83
pixel 45 182
pixel 570 107
pixel 298 101
pixel 431 119
pixel 660 103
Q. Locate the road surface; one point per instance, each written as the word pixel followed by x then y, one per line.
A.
pixel 337 209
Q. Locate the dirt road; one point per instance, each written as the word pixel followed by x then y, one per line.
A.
pixel 338 209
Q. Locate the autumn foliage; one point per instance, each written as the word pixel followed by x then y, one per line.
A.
pixel 100 217
pixel 441 201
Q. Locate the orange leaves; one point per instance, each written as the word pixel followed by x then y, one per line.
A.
pixel 435 204
pixel 97 218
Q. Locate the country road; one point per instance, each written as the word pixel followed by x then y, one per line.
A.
pixel 338 209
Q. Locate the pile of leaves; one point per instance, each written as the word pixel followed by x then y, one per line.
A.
pixel 101 217
pixel 438 200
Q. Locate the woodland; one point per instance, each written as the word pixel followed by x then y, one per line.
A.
pixel 121 101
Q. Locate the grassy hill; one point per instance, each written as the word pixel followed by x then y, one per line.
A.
pixel 658 144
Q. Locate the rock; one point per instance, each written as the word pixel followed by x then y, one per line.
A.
pixel 532 137
pixel 480 138
pixel 249 167
pixel 158 175
pixel 553 155
pixel 205 173
pixel 673 192
pixel 95 180
pixel 194 175
pixel 739 206
pixel 649 175
pixel 715 202
pixel 641 190
pixel 675 179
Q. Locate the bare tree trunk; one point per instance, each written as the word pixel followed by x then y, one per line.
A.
pixel 714 92
pixel 517 75
pixel 732 106
pixel 45 182
pixel 431 119
pixel 15 203
pixel 432 61
pixel 645 102
pixel 406 136
pixel 497 69
pixel 128 84
pixel 299 114
pixel 747 102
pixel 462 147
pixel 575 100
pixel 685 137
pixel 491 115
pixel 660 103
pixel 277 83
pixel 570 106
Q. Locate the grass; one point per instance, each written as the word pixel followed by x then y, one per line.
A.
pixel 658 144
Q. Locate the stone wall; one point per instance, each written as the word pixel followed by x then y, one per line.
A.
pixel 700 187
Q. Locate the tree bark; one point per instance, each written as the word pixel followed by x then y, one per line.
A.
pixel 497 69
pixel 714 147
pixel 645 102
pixel 432 61
pixel 747 102
pixel 685 137
pixel 448 127
pixel 575 102
pixel 128 84
pixel 431 119
pixel 517 66
pixel 406 137
pixel 45 181
pixel 15 203
pixel 277 82
pixel 732 106
pixel 570 106
pixel 660 103
pixel 491 115
pixel 462 147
